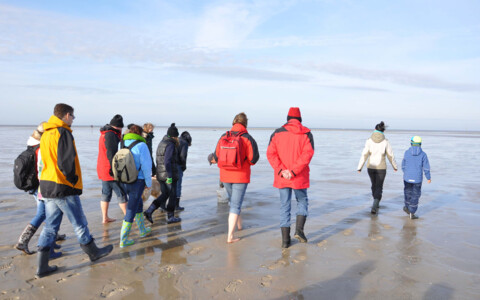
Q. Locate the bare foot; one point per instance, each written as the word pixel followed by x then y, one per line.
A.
pixel 108 220
pixel 233 240
pixel 239 227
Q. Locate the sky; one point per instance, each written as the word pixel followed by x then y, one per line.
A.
pixel 346 64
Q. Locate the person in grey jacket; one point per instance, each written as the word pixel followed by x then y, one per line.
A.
pixel 375 150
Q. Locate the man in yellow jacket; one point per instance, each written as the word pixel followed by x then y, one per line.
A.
pixel 60 187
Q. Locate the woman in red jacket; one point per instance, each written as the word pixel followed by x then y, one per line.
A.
pixel 236 151
pixel 289 152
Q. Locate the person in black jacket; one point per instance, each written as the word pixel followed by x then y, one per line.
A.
pixel 167 176
pixel 185 141
pixel 148 135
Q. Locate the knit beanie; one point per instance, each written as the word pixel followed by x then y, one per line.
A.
pixel 416 141
pixel 294 113
pixel 117 121
pixel 172 131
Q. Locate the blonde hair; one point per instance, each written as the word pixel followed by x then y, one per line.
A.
pixel 148 126
pixel 37 133
pixel 240 118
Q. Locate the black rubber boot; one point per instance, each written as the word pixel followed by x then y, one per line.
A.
pixel 148 213
pixel 299 234
pixel 42 258
pixel 178 207
pixel 285 237
pixel 375 206
pixel 25 237
pixel 60 237
pixel 94 252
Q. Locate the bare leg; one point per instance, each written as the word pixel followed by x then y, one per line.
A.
pixel 123 207
pixel 239 223
pixel 232 222
pixel 104 207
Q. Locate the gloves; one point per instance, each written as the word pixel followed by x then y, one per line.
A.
pixel 169 180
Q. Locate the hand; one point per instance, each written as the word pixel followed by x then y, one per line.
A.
pixel 169 180
pixel 429 181
pixel 395 170
pixel 147 188
pixel 359 171
pixel 286 174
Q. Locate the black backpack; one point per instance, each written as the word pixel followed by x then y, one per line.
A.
pixel 25 170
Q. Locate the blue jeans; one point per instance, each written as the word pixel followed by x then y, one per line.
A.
pixel 412 192
pixel 236 192
pixel 179 181
pixel 135 201
pixel 40 216
pixel 108 187
pixel 286 205
pixel 72 208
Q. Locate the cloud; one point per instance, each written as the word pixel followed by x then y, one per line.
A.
pixel 242 72
pixel 85 90
pixel 397 77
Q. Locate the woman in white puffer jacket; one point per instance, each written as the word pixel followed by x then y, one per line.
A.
pixel 375 150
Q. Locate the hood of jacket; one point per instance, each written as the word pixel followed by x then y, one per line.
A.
pixel 55 122
pixel 415 150
pixel 109 127
pixel 294 126
pixel 32 142
pixel 377 137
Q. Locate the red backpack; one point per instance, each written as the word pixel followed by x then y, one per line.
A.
pixel 230 153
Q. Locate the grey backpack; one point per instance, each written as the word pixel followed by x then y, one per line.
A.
pixel 123 164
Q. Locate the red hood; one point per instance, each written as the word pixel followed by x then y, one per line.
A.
pixel 294 126
pixel 238 127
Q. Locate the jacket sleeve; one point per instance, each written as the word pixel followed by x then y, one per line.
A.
pixel 272 156
pixel 307 153
pixel 391 157
pixel 183 155
pixel 404 162
pixel 252 155
pixel 146 164
pixel 364 156
pixel 66 154
pixel 111 144
pixel 168 159
pixel 426 167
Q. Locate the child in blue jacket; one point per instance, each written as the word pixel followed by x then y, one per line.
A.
pixel 414 164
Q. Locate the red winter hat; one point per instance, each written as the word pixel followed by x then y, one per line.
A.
pixel 294 112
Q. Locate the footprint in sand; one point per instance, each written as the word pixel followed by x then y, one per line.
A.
pixel 278 264
pixel 139 269
pixel 233 285
pixel 347 232
pixel 360 252
pixel 266 281
pixel 386 226
pixel 322 244
pixel 196 250
pixel 299 258
pixel 113 292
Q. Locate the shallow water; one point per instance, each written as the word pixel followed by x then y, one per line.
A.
pixel 350 254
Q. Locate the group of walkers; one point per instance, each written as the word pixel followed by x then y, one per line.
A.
pixel 289 152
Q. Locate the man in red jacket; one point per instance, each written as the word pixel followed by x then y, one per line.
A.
pixel 289 153
pixel 110 136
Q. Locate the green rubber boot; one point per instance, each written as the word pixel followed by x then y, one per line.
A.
pixel 144 231
pixel 124 242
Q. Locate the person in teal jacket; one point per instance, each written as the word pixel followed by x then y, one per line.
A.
pixel 143 162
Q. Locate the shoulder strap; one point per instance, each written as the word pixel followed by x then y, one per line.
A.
pixel 133 144
pixel 122 144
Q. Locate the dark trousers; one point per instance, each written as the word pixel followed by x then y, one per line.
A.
pixel 169 192
pixel 412 192
pixel 377 177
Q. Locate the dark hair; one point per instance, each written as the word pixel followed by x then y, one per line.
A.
pixel 380 126
pixel 61 109
pixel 134 128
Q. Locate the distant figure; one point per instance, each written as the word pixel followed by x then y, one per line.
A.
pixel 414 164
pixel 167 176
pixel 148 135
pixel 143 161
pixel 376 148
pixel 184 142
pixel 110 136
pixel 22 245
pixel 61 185
pixel 289 152
pixel 235 152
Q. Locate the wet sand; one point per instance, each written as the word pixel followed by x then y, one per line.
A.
pixel 350 253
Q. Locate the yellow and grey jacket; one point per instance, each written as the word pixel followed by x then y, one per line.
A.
pixel 61 175
pixel 375 150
